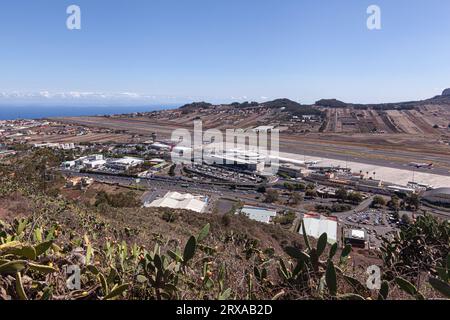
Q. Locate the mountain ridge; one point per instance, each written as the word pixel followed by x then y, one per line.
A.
pixel 326 103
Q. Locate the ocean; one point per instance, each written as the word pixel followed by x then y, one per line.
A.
pixel 38 112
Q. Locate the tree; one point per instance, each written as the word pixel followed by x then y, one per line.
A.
pixel 396 215
pixel 310 186
pixel 261 189
pixel 295 198
pixel 394 203
pixel 406 219
pixel 286 219
pixel 300 187
pixel 355 197
pixel 341 194
pixel 413 201
pixel 289 186
pixel 172 170
pixel 378 201
pixel 271 196
pixel 311 193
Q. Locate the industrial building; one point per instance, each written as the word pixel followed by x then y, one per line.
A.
pixel 357 238
pixel 62 146
pixel 160 146
pixel 316 225
pixel 401 190
pixel 91 162
pixel 258 214
pixel 175 200
pixel 238 159
pixel 97 161
pixel 440 197
pixel 124 163
pixel 290 170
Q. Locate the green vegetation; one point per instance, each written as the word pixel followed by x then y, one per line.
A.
pixel 341 194
pixel 378 201
pixel 355 197
pixel 117 200
pixel 331 103
pixel 172 170
pixel 294 186
pixel 394 203
pixel 419 248
pixel 311 193
pixel 352 197
pixel 295 198
pixel 271 196
pixel 413 202
pixel 336 207
pixel 285 219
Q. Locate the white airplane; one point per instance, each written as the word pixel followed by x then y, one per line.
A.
pixel 312 162
pixel 421 165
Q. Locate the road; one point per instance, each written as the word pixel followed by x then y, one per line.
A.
pixel 158 186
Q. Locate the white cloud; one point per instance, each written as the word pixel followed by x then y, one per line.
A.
pixel 45 97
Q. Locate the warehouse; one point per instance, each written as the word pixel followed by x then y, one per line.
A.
pixel 175 200
pixel 316 225
pixel 124 163
pixel 258 214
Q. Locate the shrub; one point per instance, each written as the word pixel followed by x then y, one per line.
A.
pixel 271 196
pixel 118 200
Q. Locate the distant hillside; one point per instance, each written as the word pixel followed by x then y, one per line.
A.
pixel 287 105
pixel 407 105
pixel 294 108
pixel 195 106
pixel 442 99
pixel 331 103
pixel 298 109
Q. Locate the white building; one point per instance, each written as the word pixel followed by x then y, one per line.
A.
pixel 240 159
pixel 124 163
pixel 401 189
pixel 93 164
pixel 258 214
pixel 264 128
pixel 63 146
pixel 316 225
pixel 160 146
pixel 175 200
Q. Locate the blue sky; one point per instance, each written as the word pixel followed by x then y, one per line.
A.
pixel 224 50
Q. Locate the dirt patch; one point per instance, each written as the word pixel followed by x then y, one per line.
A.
pixel 88 196
pixel 14 206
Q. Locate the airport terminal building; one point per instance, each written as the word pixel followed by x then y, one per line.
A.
pixel 439 197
